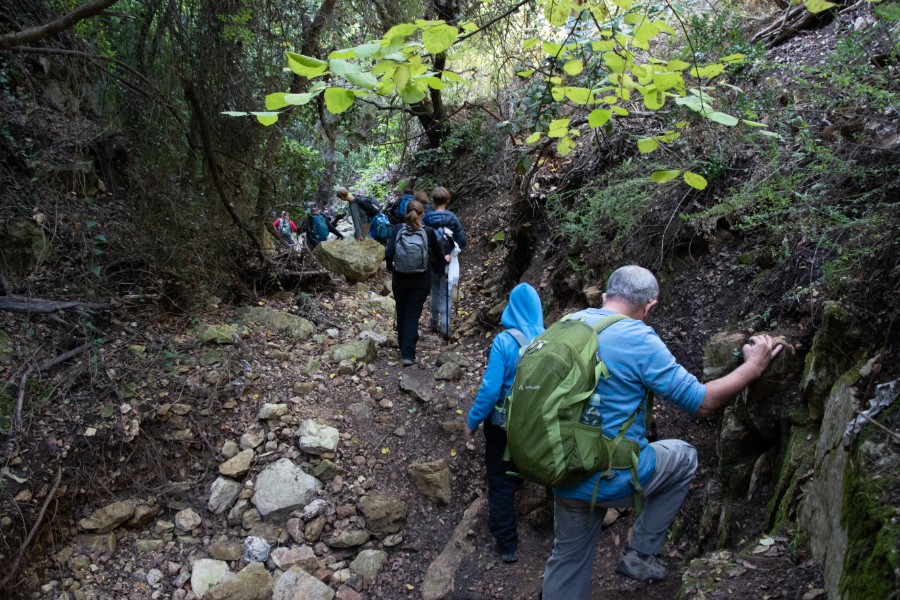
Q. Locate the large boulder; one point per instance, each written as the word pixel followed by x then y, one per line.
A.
pixel 831 354
pixel 356 261
pixel 283 487
pixel 23 245
pixel 296 327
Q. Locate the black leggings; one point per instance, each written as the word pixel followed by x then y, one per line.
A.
pixel 410 292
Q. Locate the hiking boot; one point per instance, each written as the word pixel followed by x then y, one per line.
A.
pixel 640 566
pixel 509 557
pixel 408 362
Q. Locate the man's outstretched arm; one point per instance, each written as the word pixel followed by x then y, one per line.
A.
pixel 758 353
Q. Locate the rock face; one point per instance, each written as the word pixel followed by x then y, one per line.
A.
pixel 356 261
pixel 22 246
pixel 385 513
pixel 296 584
pixel 282 487
pixel 222 495
pixel 829 357
pixel 441 572
pixel 432 479
pixel 296 327
pixel 253 582
pixel 317 438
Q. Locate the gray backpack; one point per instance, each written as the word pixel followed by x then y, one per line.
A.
pixel 411 250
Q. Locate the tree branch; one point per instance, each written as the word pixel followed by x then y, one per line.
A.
pixel 34 34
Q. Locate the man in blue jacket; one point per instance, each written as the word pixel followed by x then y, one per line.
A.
pixel 523 319
pixel 442 221
pixel 638 363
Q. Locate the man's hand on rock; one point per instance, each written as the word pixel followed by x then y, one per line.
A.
pixel 760 350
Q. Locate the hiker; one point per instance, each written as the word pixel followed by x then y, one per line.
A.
pixel 425 200
pixel 285 227
pixel 361 211
pixel 447 225
pixel 523 319
pixel 639 363
pixel 411 252
pixel 317 228
pixel 399 206
pixel 381 229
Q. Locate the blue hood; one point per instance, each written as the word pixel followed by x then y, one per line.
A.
pixel 524 311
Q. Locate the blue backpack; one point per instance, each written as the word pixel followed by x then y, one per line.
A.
pixel 319 229
pixel 400 214
pixel 381 228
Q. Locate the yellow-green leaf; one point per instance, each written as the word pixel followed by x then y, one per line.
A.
pixel 266 118
pixel 817 6
pixel 401 30
pixel 578 95
pixel 551 48
pixel 677 65
pixel 401 76
pixel 558 127
pixel 451 76
pixel 534 137
pixel 530 43
pixel 431 81
pixel 337 100
pixel 694 180
pixel 411 93
pixel 364 80
pixel 723 118
pixel 647 145
pixel 305 66
pixel 603 45
pixel 558 93
pixel 345 53
pixel 437 39
pixel 525 73
pixel 234 113
pixel 614 62
pixel 709 71
pixel 573 67
pixel 753 123
pixel 557 12
pixel 599 117
pixel 276 101
pixel 619 111
pixel 565 145
pixel 653 98
pixel 365 50
pixel 664 176
pixel 733 58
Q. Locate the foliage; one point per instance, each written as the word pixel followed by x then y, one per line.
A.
pixel 465 136
pixel 296 167
pixel 612 206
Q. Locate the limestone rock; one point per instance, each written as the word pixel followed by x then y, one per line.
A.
pixel 317 438
pixel 297 584
pixel 298 556
pixel 220 334
pixel 442 571
pixel 105 542
pixel 722 354
pixel 831 354
pixel 253 582
pixel 361 351
pixel 109 517
pixel 272 411
pixel 368 564
pixel 253 438
pixel 225 549
pixel 432 479
pixel 230 449
pixel 296 327
pixel 419 383
pixel 238 466
pixel 206 573
pixel 348 538
pixel 143 514
pixel 256 549
pixel 356 261
pixel 187 519
pixel 448 372
pixel 453 358
pixel 283 487
pixel 223 493
pixel 384 512
pixel 327 470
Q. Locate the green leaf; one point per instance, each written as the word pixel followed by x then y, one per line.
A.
pixel 677 65
pixel 437 39
pixel 753 123
pixel 411 93
pixel 345 53
pixel 401 76
pixel 603 46
pixel 431 81
pixel 599 117
pixel 451 76
pixel 578 95
pixel 551 48
pixel 733 58
pixel 557 12
pixel 720 117
pixel 525 73
pixel 365 50
pixel 234 113
pixel 266 118
pixel 558 94
pixel 692 102
pixel 558 128
pixel 305 66
pixel 276 101
pixel 297 99
pixel 619 111
pixel 647 145
pixel 664 176
pixel 364 80
pixel 342 67
pixel 653 97
pixel 401 30
pixel 817 6
pixel 337 100
pixel 530 43
pixel 694 180
pixel 708 71
pixel 565 145
pixel 771 134
pixel 573 67
pixel 534 137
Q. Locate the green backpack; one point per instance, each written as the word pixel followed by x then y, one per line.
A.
pixel 554 381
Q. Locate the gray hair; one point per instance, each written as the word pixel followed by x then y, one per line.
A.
pixel 632 284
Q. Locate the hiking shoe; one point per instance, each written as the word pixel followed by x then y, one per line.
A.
pixel 509 557
pixel 408 362
pixel 640 566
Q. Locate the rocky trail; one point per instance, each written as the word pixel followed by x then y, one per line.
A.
pixel 282 449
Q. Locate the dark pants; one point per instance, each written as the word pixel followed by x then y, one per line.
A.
pixel 501 489
pixel 410 292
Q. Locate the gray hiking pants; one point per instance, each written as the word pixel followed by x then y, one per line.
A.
pixel 577 529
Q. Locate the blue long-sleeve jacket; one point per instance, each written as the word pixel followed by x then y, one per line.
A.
pixel 445 218
pixel 524 312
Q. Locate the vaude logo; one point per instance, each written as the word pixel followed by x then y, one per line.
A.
pixel 529 387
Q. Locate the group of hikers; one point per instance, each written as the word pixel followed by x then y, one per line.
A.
pixel 588 443
pixel 554 429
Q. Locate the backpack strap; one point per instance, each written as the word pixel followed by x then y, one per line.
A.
pixel 517 335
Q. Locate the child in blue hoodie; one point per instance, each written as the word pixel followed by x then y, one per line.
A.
pixel 524 315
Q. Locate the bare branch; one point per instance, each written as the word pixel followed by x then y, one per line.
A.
pixel 34 34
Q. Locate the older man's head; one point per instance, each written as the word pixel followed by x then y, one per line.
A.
pixel 633 285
